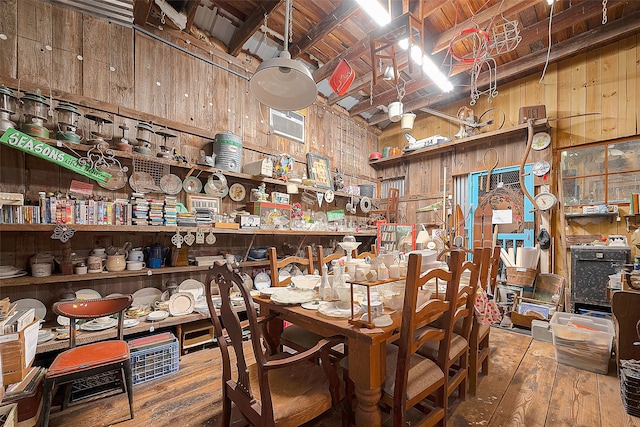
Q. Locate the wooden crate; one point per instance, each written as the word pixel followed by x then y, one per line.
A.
pixel 16 357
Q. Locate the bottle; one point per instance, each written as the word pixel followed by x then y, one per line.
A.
pixel 383 272
pixel 338 281
pixel 325 287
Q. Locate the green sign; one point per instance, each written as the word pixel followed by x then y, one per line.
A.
pixel 16 139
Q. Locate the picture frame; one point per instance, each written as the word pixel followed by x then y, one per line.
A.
pixel 201 201
pixel 318 169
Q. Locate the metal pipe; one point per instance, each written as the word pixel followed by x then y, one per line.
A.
pixel 188 52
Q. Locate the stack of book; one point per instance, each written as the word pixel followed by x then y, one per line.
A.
pixel 156 212
pixel 140 209
pixel 634 204
pixel 186 219
pixel 203 216
pixel 170 210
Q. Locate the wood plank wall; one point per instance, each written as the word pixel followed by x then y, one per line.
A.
pixel 135 77
pixel 604 80
pixel 132 72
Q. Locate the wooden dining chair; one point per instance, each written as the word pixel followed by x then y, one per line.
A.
pixel 372 253
pixel 283 389
pixel 293 336
pixel 84 361
pixel 479 339
pixel 410 377
pixel 461 320
pixel 326 259
pixel 390 211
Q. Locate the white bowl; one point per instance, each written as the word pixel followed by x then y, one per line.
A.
pixel 429 259
pixel 307 281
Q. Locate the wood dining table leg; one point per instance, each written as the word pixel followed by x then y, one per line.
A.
pixel 367 371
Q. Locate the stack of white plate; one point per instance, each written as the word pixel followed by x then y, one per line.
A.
pixel 8 271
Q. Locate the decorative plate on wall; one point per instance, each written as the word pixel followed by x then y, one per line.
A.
pixel 237 192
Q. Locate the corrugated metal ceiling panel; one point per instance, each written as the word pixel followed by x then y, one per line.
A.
pixel 116 11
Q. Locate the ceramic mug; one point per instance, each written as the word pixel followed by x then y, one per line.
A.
pixel 135 265
pixel 95 264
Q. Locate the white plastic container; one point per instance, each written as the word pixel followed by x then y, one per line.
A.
pixel 583 342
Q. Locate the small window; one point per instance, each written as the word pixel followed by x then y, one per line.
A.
pixel 601 174
pixel 289 124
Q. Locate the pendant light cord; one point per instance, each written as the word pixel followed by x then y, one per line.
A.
pixel 287 23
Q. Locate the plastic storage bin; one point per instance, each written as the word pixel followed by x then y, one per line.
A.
pixel 583 342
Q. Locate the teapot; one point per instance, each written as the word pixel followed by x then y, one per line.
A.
pixel 156 254
pixel 136 255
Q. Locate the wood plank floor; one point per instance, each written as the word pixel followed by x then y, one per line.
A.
pixel 526 387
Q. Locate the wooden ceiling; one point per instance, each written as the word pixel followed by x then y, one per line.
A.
pixel 326 31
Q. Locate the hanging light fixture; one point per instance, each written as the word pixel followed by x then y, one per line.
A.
pixel 283 83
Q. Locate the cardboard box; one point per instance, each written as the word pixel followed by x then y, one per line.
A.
pixel 18 351
pixel 272 215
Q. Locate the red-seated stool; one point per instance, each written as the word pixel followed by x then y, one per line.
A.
pixel 90 359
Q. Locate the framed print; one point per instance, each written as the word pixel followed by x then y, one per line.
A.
pixel 196 201
pixel 319 170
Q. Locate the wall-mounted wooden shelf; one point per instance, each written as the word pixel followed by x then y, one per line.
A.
pixel 173 229
pixel 511 132
pixel 590 218
pixel 190 166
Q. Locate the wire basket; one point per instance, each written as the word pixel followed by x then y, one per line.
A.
pixel 630 386
pixel 505 37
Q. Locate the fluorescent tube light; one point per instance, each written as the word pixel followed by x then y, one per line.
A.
pixel 376 11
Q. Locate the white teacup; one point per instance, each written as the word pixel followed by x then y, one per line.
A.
pixel 136 265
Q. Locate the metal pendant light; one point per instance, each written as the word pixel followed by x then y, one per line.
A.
pixel 283 83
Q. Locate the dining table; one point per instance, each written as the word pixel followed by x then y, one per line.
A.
pixel 366 349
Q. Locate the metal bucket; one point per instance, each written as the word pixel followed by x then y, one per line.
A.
pixel 228 150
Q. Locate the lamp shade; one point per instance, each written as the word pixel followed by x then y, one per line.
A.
pixel 283 84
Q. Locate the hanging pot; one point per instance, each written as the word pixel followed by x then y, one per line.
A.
pixel 395 111
pixel 407 121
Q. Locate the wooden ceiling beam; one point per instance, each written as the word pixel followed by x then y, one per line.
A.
pixel 141 11
pixel 192 7
pixel 525 65
pixel 252 25
pixel 362 46
pixel 507 8
pixel 355 51
pixel 324 27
